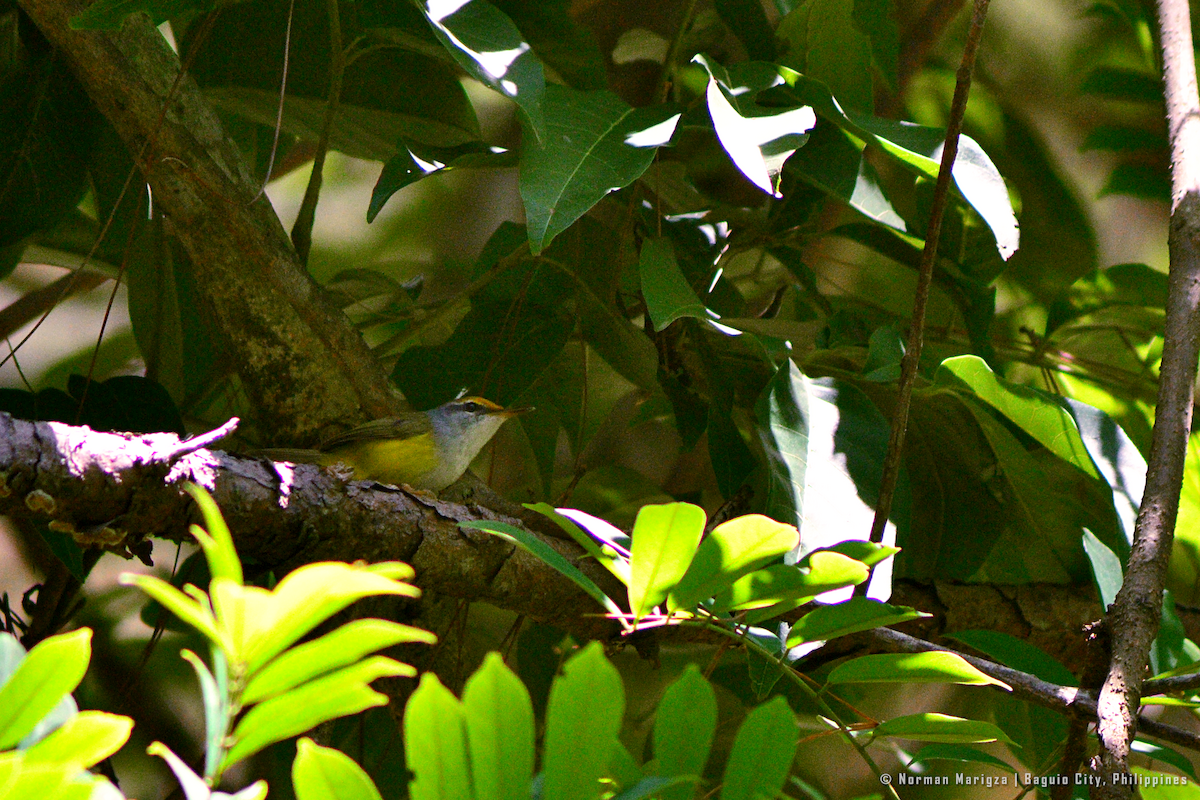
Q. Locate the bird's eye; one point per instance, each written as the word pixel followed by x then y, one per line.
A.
pixel 472 406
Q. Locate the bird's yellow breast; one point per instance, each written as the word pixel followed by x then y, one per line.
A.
pixel 395 461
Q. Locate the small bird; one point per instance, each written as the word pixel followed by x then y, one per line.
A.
pixel 425 449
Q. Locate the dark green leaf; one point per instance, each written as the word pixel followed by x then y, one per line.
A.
pixel 593 143
pixel 749 23
pixel 958 752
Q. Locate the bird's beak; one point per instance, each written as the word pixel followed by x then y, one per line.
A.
pixel 516 412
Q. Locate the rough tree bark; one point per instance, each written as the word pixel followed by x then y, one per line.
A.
pixel 1134 616
pixel 304 365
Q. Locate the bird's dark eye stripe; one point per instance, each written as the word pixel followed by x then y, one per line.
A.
pixel 471 405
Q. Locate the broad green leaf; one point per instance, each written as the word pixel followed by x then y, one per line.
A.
pixel 602 541
pixel 825 442
pixel 683 729
pixel 1016 653
pixel 1119 462
pixel 261 624
pixel 731 550
pixel 762 753
pixel 564 44
pixel 1036 414
pixel 958 752
pixel 824 42
pixel 548 555
pixel 1107 573
pixel 217 541
pixel 788 586
pixel 500 362
pixel 500 730
pixel 402 87
pixel 86 739
pixel 416 161
pixel 587 704
pixel 749 23
pixel 854 615
pixel 665 538
pixel 1041 537
pixel 49 671
pixel 216 706
pixel 186 608
pixel 322 773
pixel 913 147
pixel 667 292
pixel 20 779
pixel 835 162
pixel 338 694
pixel 869 553
pixel 941 728
pixel 782 414
pixel 339 648
pixel 931 667
pixel 758 140
pixel 593 143
pixel 435 743
pixel 486 43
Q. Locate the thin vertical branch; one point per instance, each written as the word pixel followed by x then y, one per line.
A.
pixel 916 332
pixel 1134 616
pixel 302 229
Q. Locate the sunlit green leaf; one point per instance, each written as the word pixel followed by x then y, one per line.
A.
pixel 322 773
pixel 941 728
pixel 683 729
pixel 86 739
pixel 500 729
pixel 855 614
pixel 216 541
pixel 664 540
pixel 932 667
pixel 787 586
pixel 583 719
pixel 762 753
pixel 758 140
pixel 48 672
pixel 435 743
pixel 339 648
pixel 338 694
pixel 731 550
pixel 486 43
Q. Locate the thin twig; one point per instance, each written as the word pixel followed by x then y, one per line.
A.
pixel 201 440
pixel 916 333
pixel 287 49
pixel 302 229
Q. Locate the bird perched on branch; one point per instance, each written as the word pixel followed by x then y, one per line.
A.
pixel 425 449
